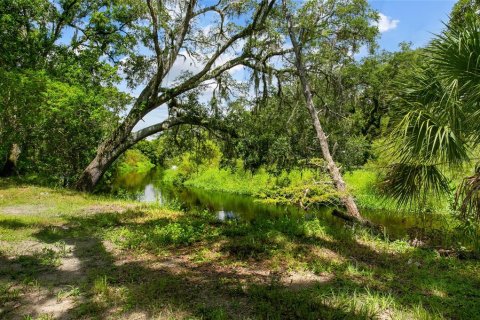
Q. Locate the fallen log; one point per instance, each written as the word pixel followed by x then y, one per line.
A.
pixel 363 222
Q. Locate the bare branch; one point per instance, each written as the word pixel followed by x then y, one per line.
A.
pixel 158 51
pixel 178 41
pixel 207 72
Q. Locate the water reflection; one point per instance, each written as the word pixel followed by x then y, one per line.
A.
pixel 226 215
pixel 148 187
pixel 151 194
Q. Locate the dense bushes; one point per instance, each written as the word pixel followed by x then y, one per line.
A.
pixel 302 187
pixel 55 125
pixel 134 160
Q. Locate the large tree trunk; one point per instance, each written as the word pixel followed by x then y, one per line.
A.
pixel 10 165
pixel 92 174
pixel 110 149
pixel 346 199
pixel 122 139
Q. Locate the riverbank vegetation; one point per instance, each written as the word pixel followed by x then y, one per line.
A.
pixel 289 103
pixel 98 258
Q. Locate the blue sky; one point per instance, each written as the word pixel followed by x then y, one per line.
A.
pixel 412 21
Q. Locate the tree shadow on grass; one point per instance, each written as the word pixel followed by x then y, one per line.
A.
pixel 445 286
pixel 13 224
pixel 121 288
pixel 122 283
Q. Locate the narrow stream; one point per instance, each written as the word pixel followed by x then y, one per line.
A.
pixel 148 187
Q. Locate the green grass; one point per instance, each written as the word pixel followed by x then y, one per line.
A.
pixel 364 185
pixel 304 187
pixel 233 181
pixel 161 263
pixel 25 210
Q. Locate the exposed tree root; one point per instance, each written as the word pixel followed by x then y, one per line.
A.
pixel 377 228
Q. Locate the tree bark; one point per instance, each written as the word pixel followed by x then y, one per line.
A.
pixel 97 168
pixel 112 148
pixel 346 199
pixel 10 166
pixel 153 96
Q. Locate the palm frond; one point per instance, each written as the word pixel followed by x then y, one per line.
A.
pixel 455 51
pixel 455 54
pixel 422 137
pixel 409 183
pixel 467 197
pixel 438 118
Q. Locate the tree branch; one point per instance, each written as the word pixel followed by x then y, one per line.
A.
pixel 207 73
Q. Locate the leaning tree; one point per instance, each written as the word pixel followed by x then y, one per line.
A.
pixel 170 34
pixel 319 39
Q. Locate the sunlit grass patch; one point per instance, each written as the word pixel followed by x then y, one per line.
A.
pixel 48 202
pixel 205 255
pixel 151 260
pixel 18 228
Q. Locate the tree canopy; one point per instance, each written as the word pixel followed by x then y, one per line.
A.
pixel 65 67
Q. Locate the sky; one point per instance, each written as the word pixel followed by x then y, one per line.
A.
pixel 410 20
pixel 414 21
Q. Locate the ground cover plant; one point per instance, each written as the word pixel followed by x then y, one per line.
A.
pixel 247 159
pixel 99 258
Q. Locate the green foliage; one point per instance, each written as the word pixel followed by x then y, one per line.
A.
pixel 373 81
pixel 134 161
pixel 205 154
pixel 155 236
pixel 304 187
pixel 236 181
pixel 148 148
pixel 174 233
pixel 463 11
pixel 422 180
pixel 438 124
pixel 55 124
pixel 368 185
pixel 33 30
pixel 363 184
pixel 59 97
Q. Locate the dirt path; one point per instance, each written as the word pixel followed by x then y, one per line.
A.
pixel 57 275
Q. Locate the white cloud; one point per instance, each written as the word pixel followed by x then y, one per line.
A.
pixel 386 23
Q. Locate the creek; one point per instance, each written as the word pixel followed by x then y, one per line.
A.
pixel 148 187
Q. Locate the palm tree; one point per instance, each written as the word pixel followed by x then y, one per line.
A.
pixel 438 125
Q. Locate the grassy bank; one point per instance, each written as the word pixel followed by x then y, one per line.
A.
pixel 299 186
pixel 304 187
pixel 66 254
